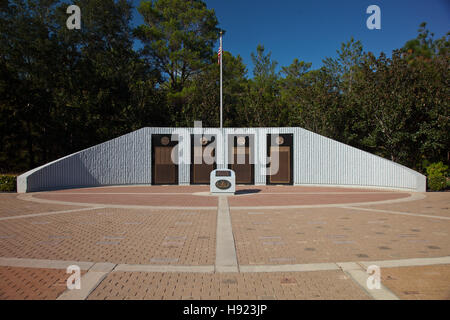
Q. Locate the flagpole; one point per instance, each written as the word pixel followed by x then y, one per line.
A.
pixel 221 101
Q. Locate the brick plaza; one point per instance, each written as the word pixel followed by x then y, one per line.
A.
pixel 265 242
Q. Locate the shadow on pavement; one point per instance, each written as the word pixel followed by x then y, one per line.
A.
pixel 247 191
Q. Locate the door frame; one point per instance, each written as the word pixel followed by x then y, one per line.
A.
pixel 289 142
pixel 248 137
pixel 213 139
pixel 156 142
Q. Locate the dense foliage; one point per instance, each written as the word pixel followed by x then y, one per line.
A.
pixel 7 183
pixel 64 90
pixel 437 176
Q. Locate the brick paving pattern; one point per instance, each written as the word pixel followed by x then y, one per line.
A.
pixel 436 203
pixel 261 199
pixel 185 196
pixel 315 235
pixel 200 188
pixel 114 235
pixel 262 236
pixel 11 206
pixel 178 200
pixel 32 283
pixel 308 189
pixel 136 189
pixel 418 283
pixel 224 286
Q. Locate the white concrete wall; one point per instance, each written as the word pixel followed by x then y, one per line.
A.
pixel 127 160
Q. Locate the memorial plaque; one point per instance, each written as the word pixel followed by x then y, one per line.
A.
pixel 223 184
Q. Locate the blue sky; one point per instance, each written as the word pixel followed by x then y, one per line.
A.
pixel 311 30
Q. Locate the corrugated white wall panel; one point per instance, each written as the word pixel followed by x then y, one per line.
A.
pixel 127 160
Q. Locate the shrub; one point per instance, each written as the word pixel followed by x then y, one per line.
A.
pixel 437 169
pixel 437 183
pixel 8 183
pixel 437 176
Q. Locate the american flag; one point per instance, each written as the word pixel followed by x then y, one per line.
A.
pixel 219 54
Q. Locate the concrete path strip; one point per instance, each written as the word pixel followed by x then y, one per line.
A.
pixel 226 258
pixel 408 262
pixel 163 268
pixel 360 276
pixel 290 267
pixel 121 193
pixel 32 215
pixel 89 282
pixel 29 197
pixel 399 212
pixel 411 197
pixel 42 263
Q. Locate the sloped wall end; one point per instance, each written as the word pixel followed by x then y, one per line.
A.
pixel 421 183
pixel 124 160
pixel 324 161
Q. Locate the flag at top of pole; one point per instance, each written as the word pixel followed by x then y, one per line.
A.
pixel 219 58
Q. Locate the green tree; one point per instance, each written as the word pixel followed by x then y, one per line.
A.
pixel 400 103
pixel 27 54
pixel 262 106
pixel 202 93
pixel 178 37
pixel 63 90
pixel 292 86
pixel 318 106
pixel 424 46
pixel 105 81
pixel 345 67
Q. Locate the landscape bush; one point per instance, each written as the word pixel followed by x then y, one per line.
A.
pixel 437 176
pixel 437 183
pixel 8 183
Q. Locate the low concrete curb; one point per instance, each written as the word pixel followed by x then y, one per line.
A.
pixel 47 213
pixel 43 263
pixel 29 197
pixel 162 268
pixel 407 262
pixel 290 267
pixel 399 213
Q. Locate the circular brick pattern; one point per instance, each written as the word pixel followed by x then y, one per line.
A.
pixel 199 196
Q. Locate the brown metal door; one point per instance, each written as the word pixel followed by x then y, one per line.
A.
pixel 241 159
pixel 165 170
pixel 281 147
pixel 201 167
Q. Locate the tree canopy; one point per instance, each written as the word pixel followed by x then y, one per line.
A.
pixel 64 90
